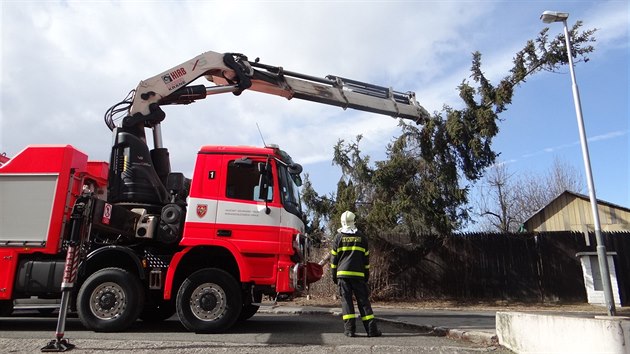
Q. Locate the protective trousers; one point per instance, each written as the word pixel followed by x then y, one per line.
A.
pixel 357 287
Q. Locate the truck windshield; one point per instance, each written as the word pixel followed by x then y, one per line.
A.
pixel 290 191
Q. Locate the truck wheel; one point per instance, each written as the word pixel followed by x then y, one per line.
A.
pixel 6 308
pixel 209 301
pixel 157 311
pixel 110 300
pixel 250 310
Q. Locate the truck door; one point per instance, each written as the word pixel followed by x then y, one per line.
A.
pixel 250 223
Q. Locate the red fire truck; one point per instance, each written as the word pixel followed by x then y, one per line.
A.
pixel 131 239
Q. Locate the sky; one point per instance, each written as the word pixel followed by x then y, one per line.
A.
pixel 64 63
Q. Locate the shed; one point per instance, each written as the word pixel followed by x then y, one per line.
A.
pixel 571 211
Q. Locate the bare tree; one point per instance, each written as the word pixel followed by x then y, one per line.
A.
pixel 505 201
pixel 498 205
pixel 535 192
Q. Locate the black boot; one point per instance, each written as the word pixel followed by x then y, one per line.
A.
pixel 371 329
pixel 349 327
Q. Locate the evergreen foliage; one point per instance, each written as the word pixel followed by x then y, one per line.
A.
pixel 422 187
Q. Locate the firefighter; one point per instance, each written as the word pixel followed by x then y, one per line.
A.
pixel 350 267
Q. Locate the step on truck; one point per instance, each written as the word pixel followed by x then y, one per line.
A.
pixel 129 239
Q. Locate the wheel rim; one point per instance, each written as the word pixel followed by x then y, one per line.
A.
pixel 108 301
pixel 208 302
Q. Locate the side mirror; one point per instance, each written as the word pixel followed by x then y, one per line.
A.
pixel 294 171
pixel 265 182
pixel 259 194
pixel 295 168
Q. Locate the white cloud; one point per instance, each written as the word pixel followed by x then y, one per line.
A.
pixel 89 54
pixel 64 63
pixel 611 19
pixel 592 139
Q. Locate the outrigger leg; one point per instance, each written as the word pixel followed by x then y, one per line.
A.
pixel 60 344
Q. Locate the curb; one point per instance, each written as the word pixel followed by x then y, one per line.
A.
pixel 477 337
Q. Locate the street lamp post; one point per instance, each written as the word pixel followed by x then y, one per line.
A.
pixel 549 17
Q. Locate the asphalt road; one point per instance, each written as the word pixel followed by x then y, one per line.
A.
pixel 264 333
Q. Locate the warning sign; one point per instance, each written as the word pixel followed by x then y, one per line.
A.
pixel 107 213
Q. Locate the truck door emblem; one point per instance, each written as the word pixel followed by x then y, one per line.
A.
pixel 201 210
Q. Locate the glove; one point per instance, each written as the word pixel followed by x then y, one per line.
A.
pixel 334 277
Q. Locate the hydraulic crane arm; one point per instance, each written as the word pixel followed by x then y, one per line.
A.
pixel 139 175
pixel 234 73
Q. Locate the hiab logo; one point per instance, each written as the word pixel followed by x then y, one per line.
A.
pixel 176 74
pixel 202 209
pixel 173 75
pixel 175 79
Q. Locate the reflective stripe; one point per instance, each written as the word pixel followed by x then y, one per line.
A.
pixel 352 248
pixel 367 266
pixel 367 253
pixel 350 316
pixel 332 266
pixel 367 318
pixel 347 272
pixel 333 252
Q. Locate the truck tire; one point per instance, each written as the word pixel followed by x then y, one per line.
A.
pixel 209 301
pixel 110 300
pixel 6 308
pixel 250 310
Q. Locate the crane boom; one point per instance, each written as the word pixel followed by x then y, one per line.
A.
pixel 234 73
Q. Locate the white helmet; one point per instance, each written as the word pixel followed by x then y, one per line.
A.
pixel 347 223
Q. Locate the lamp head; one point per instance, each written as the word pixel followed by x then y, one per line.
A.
pixel 554 16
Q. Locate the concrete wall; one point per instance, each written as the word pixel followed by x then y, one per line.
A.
pixel 543 333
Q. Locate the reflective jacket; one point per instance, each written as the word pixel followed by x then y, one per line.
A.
pixel 350 256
